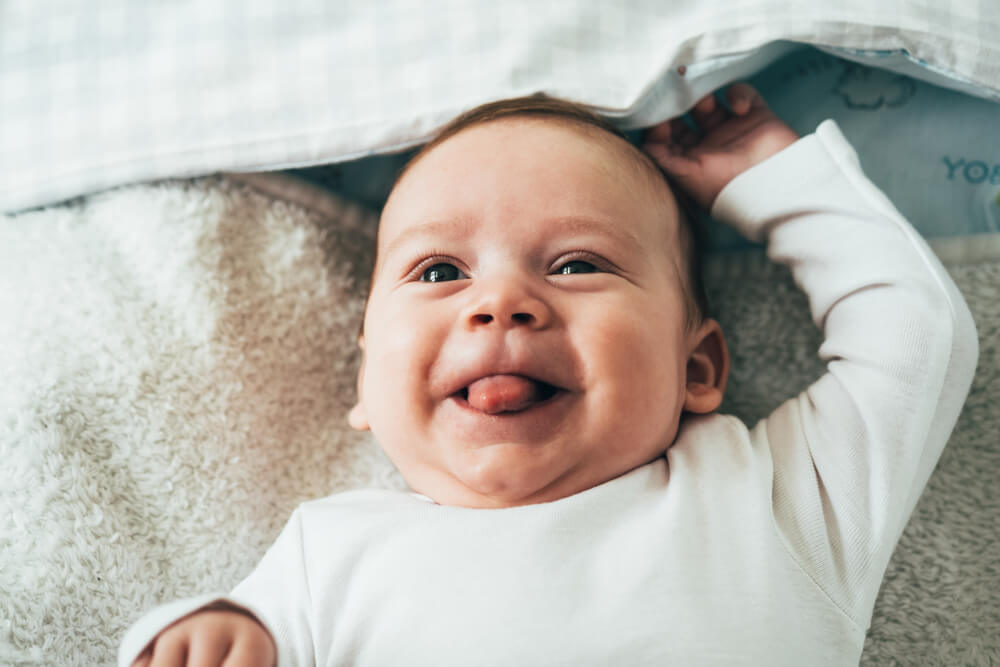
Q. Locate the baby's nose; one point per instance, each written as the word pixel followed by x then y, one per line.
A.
pixel 508 305
pixel 516 318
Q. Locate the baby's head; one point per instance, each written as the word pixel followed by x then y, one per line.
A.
pixel 536 325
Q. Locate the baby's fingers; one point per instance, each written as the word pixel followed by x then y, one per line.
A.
pixel 208 650
pixel 742 98
pixel 672 159
pixel 251 652
pixel 660 133
pixel 167 654
pixel 708 114
pixel 144 658
pixel 671 135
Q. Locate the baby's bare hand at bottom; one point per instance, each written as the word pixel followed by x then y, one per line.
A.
pixel 208 638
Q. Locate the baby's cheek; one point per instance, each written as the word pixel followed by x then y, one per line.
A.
pixel 651 353
pixel 400 332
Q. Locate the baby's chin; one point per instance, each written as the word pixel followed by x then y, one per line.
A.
pixel 507 476
pixel 502 477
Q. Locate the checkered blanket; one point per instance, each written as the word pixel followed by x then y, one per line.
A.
pixel 97 96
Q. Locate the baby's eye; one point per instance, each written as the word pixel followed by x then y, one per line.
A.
pixel 441 272
pixel 576 266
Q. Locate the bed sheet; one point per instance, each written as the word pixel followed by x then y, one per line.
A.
pixel 935 151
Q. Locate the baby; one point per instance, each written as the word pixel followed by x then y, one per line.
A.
pixel 540 366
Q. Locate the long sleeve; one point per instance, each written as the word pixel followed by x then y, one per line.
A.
pixel 276 593
pixel 853 452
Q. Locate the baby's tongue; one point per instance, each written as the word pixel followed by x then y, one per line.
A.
pixel 502 393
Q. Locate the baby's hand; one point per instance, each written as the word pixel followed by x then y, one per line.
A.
pixel 211 637
pixel 726 144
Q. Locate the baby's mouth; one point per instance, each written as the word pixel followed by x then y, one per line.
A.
pixel 497 394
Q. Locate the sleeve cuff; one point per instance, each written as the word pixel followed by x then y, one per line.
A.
pixel 157 620
pixel 745 203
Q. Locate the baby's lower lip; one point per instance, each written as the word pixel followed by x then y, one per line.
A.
pixel 535 425
pixel 461 398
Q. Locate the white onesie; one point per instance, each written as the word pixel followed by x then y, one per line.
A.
pixel 761 546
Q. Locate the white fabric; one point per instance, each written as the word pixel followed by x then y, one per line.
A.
pixel 759 546
pixel 133 91
pixel 931 150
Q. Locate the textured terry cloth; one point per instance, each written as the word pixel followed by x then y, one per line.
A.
pixel 176 362
pixel 741 546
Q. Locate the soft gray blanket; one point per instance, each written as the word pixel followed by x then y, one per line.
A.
pixel 176 362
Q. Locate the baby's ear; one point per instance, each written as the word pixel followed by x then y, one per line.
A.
pixel 707 369
pixel 358 416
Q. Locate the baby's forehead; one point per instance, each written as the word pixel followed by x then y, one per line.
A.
pixel 617 150
pixel 615 157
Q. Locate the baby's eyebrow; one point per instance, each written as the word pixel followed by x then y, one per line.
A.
pixel 436 228
pixel 567 225
pixel 578 225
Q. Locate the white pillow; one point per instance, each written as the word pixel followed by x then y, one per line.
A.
pixel 139 91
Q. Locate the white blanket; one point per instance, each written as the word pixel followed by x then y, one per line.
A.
pixel 97 96
pixel 176 362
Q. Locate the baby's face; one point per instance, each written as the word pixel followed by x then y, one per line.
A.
pixel 525 335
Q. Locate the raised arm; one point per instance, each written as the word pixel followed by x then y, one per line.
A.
pixel 853 452
pixel 858 446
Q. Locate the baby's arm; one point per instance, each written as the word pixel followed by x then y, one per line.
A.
pixel 852 453
pixel 214 636
pixel 266 617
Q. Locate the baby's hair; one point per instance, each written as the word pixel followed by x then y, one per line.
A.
pixel 549 108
